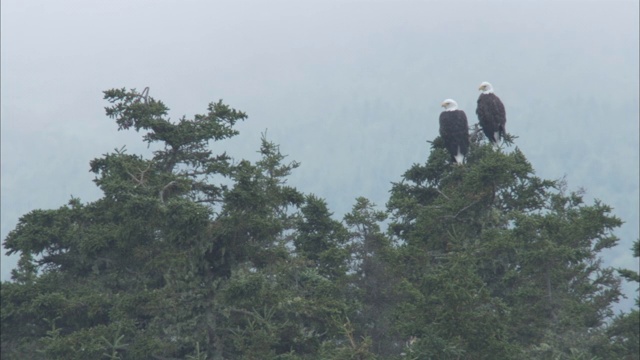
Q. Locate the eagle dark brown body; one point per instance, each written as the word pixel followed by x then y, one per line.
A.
pixel 492 116
pixel 454 130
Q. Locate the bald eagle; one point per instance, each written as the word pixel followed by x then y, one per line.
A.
pixel 491 114
pixel 454 130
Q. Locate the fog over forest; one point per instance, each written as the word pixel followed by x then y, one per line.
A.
pixel 352 90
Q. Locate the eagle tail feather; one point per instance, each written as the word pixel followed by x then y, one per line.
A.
pixel 459 157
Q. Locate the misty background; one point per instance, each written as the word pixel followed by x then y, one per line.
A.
pixel 351 89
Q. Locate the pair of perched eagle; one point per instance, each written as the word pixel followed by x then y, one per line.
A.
pixel 454 128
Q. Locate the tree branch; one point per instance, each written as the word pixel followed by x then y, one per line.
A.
pixel 172 183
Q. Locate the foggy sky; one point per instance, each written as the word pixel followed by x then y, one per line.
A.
pixel 351 89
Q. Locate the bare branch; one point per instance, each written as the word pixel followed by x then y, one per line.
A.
pixel 461 210
pixel 139 180
pixel 172 183
pixel 144 95
pixel 443 194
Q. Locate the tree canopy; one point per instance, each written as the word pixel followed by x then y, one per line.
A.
pixel 194 255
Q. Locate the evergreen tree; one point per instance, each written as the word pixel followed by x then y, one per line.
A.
pixel 498 262
pixel 372 278
pixel 154 267
pixel 621 340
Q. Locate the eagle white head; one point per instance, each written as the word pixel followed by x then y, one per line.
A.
pixel 449 105
pixel 486 88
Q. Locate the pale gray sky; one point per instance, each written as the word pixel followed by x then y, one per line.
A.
pixel 351 89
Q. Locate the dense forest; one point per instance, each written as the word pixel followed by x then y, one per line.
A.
pixel 192 254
